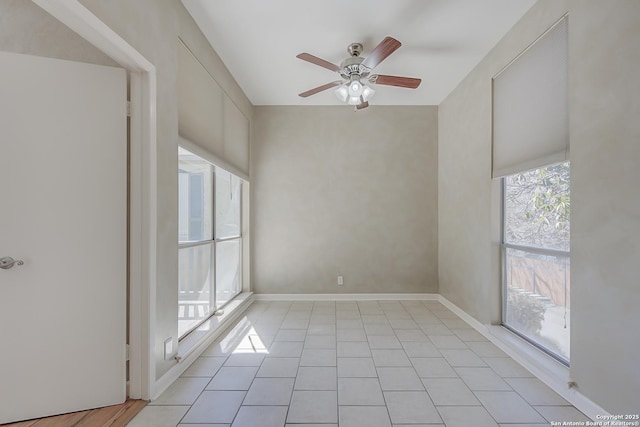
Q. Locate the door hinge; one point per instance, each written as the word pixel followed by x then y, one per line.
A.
pixel 128 108
pixel 126 352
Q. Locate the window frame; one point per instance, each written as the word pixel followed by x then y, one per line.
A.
pixel 504 246
pixel 213 242
pixel 217 240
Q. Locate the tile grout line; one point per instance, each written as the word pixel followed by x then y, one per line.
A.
pixel 388 309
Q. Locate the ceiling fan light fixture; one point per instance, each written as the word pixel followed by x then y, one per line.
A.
pixel 342 93
pixel 355 88
pixel 367 93
pixel 354 100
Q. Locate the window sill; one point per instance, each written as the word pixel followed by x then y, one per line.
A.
pixel 210 329
pixel 192 346
pixel 547 369
pixel 543 366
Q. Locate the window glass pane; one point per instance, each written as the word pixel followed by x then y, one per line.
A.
pixel 195 286
pixel 537 208
pixel 195 198
pixel 228 270
pixel 537 284
pixel 538 298
pixel 227 204
pixel 209 272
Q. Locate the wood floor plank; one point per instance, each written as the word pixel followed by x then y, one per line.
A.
pixel 109 416
pixel 99 417
pixel 126 414
pixel 22 424
pixel 113 416
pixel 65 420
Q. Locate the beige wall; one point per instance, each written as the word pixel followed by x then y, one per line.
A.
pixel 604 41
pixel 343 193
pixel 26 28
pixel 153 27
pixel 604 90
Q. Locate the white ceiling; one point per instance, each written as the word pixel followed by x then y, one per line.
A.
pixel 442 40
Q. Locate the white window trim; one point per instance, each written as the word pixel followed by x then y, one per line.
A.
pixel 525 248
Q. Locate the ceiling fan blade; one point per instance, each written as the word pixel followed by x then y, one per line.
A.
pixel 320 88
pixel 318 61
pixel 365 104
pixel 380 53
pixel 408 82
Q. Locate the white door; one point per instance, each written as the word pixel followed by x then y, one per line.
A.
pixel 63 213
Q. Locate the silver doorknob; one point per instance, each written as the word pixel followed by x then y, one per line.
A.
pixel 7 262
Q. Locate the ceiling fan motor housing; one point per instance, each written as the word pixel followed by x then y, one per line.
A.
pixel 352 67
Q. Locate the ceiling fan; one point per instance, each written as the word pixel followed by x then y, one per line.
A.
pixel 356 71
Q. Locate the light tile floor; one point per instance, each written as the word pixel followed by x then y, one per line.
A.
pixel 355 364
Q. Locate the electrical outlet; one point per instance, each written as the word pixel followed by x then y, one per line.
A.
pixel 340 280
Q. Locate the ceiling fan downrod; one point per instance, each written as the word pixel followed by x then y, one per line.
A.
pixel 355 49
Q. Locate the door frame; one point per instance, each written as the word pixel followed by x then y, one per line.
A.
pixel 142 185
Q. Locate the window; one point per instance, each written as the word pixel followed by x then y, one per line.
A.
pixel 209 239
pixel 536 295
pixel 228 226
pixel 531 155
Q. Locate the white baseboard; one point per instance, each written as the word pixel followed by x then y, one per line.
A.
pixel 548 370
pixel 344 297
pixel 463 315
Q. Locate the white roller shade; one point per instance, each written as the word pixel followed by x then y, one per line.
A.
pixel 200 104
pixel 236 136
pixel 530 107
pixel 207 117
